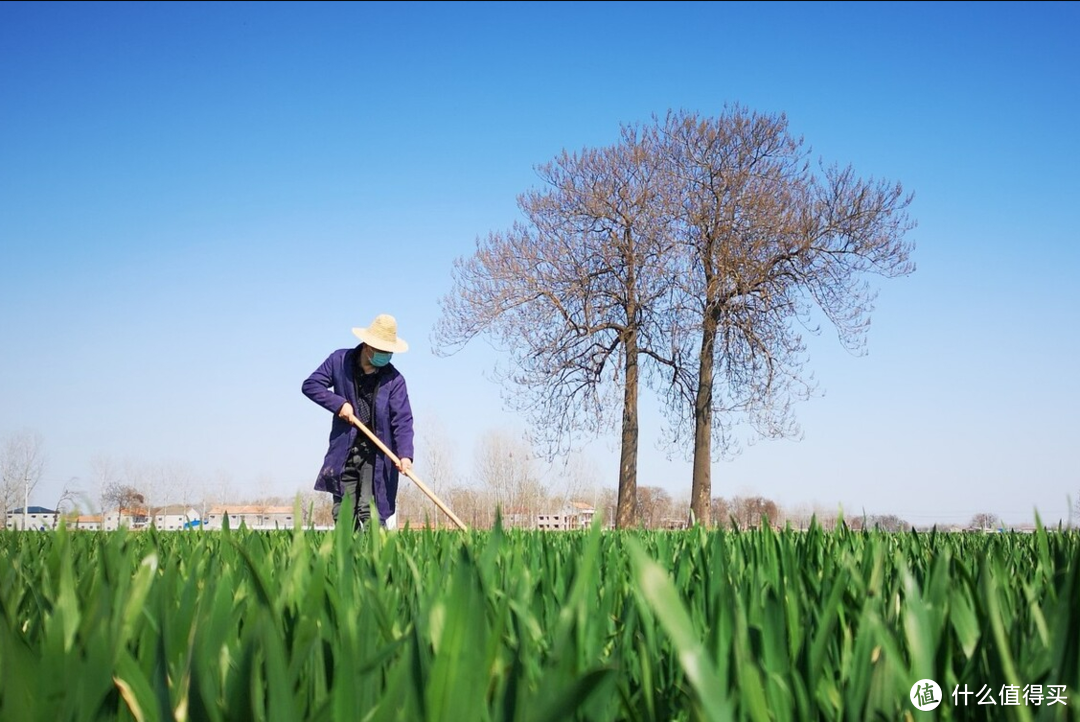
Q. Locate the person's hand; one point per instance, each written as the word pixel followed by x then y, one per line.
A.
pixel 345 411
pixel 405 466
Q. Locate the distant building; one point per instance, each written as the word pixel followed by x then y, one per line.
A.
pixel 89 522
pixel 575 515
pixel 133 517
pixel 36 517
pixel 516 517
pixel 253 516
pixel 175 517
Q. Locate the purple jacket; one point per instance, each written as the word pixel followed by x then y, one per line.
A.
pixel 330 386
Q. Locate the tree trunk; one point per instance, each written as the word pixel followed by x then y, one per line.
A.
pixel 626 516
pixel 701 489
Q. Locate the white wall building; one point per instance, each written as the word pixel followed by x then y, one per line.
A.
pixel 576 515
pixel 252 516
pixel 37 518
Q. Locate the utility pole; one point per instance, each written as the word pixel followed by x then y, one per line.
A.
pixel 26 499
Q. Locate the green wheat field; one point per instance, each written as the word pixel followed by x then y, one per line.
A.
pixel 526 625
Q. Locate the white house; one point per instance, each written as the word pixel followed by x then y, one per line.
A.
pixel 575 515
pixel 85 522
pixel 36 517
pixel 135 517
pixel 176 517
pixel 252 516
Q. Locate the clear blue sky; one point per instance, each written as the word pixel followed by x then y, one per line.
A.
pixel 199 200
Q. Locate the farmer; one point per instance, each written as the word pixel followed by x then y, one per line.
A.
pixel 361 381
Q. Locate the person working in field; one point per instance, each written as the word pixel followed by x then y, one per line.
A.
pixel 361 381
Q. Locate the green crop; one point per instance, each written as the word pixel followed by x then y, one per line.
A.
pixel 518 625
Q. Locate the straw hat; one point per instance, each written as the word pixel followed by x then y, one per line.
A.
pixel 382 334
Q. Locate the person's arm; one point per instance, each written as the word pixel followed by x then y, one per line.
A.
pixel 401 424
pixel 318 385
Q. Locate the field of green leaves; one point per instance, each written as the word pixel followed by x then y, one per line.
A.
pixel 517 625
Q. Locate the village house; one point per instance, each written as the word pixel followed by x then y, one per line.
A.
pixel 575 515
pixel 36 517
pixel 134 518
pixel 252 516
pixel 84 522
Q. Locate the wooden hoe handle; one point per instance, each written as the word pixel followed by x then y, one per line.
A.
pixel 397 462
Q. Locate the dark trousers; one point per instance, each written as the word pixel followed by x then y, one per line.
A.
pixel 357 484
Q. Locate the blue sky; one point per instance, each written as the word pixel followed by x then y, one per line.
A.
pixel 199 200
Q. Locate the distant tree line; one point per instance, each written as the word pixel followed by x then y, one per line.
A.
pixel 508 478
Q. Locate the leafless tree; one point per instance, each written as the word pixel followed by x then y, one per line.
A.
pixel 316 508
pixel 572 295
pixel 985 520
pixel 159 483
pixel 690 256
pixel 654 506
pixel 886 522
pixel 117 495
pixel 69 496
pixel 471 506
pixel 579 477
pixel 769 244
pixel 435 467
pixel 750 512
pixel 220 490
pixel 504 466
pixel 22 464
pixel 825 517
pixel 414 509
pixel 141 476
pixel 720 512
pixel 607 504
pixel 104 474
pixel 437 461
pixel 800 516
pixel 179 483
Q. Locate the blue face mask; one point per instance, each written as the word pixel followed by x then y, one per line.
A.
pixel 380 358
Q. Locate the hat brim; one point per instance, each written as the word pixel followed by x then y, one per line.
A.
pixel 381 344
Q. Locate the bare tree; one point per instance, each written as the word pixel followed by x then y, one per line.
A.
pixel 69 495
pixel 580 479
pixel 413 508
pixel 654 506
pixel 181 485
pixel 606 504
pixel 22 463
pixel 320 509
pixel 435 466
pixel 985 520
pixel 825 517
pixel 315 508
pixel 471 505
pixel 688 257
pixel 750 512
pixel 886 522
pixel 720 512
pixel 573 295
pixel 767 243
pixel 143 477
pixel 504 466
pixel 104 475
pixel 117 495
